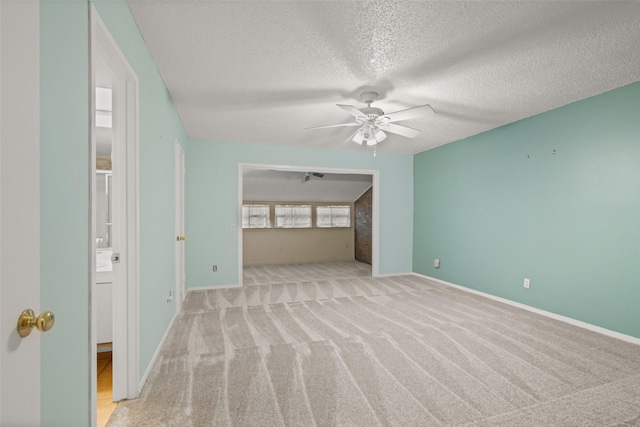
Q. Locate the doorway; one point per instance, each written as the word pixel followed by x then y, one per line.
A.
pixel 303 174
pixel 114 213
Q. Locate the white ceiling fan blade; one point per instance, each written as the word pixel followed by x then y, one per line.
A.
pixel 334 126
pixel 401 130
pixel 352 110
pixel 410 113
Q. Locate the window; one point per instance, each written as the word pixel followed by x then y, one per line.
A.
pixel 255 216
pixel 293 216
pixel 333 216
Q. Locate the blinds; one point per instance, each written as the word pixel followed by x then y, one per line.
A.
pixel 255 216
pixel 333 216
pixel 293 216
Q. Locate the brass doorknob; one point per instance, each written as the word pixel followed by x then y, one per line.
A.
pixel 28 321
pixel 179 238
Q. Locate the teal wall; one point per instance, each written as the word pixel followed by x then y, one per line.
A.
pixel 64 215
pixel 500 206
pixel 160 126
pixel 212 202
pixel 64 106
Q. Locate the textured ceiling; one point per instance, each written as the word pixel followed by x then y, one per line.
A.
pixel 262 71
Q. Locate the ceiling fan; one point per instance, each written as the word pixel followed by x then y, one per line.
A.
pixel 373 122
pixel 307 176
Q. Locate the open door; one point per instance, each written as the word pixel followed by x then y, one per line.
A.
pixel 110 69
pixel 19 210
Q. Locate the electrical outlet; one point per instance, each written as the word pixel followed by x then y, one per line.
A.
pixel 527 283
pixel 215 268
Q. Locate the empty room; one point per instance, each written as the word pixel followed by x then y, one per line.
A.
pixel 320 213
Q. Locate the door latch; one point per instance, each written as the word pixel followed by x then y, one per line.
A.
pixel 115 258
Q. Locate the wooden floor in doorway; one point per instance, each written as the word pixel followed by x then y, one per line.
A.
pixel 105 387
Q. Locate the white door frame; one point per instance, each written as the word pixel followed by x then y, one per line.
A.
pixel 20 400
pixel 375 214
pixel 180 244
pixel 108 62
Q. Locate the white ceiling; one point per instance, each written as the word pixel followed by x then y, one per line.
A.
pixel 289 186
pixel 262 71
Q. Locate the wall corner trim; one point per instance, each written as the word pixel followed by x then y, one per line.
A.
pixel 569 320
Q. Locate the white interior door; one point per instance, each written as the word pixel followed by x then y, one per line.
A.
pixel 111 69
pixel 19 210
pixel 180 237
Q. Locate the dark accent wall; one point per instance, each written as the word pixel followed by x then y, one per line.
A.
pixel 363 209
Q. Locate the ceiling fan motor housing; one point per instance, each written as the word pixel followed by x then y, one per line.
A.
pixel 372 112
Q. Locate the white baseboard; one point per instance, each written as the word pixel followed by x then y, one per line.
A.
pixel 569 320
pixel 209 288
pixel 394 274
pixel 155 355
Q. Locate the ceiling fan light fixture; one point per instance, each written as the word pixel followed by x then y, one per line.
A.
pixel 357 138
pixel 377 136
pixel 367 132
pixel 369 135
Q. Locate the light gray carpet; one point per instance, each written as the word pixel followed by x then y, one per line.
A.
pixel 328 345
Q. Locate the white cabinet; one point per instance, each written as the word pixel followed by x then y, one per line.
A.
pixel 103 294
pixel 105 312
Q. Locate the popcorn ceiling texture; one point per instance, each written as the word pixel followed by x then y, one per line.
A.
pixel 261 72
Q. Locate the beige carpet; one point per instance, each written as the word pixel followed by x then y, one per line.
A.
pixel 328 345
